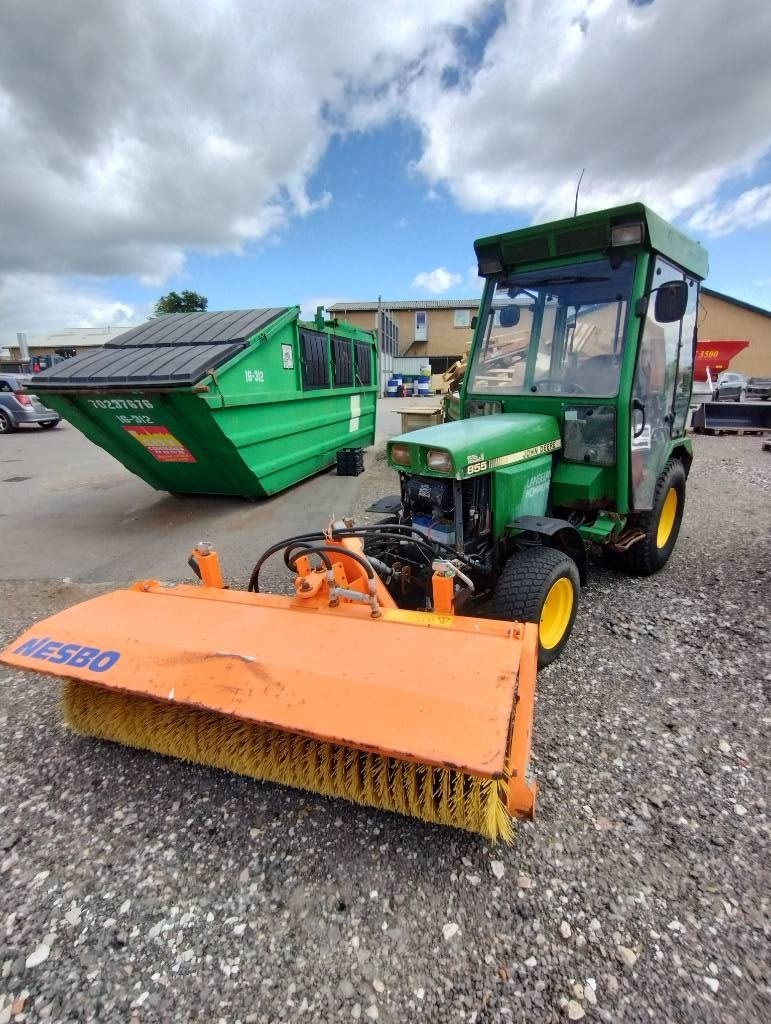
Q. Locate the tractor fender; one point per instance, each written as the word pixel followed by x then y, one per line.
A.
pixel 556 533
pixel 684 453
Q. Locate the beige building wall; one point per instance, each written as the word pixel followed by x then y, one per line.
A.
pixel 444 338
pixel 367 319
pixel 721 320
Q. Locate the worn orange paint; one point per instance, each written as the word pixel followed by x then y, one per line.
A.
pixel 443 593
pixel 461 699
pixel 209 566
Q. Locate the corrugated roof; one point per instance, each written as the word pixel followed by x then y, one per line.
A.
pixel 365 307
pixel 178 350
pixel 71 337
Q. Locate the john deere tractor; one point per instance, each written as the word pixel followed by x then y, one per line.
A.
pixel 570 429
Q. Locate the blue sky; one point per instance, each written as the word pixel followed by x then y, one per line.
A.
pixel 321 152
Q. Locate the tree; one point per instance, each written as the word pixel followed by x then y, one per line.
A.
pixel 187 302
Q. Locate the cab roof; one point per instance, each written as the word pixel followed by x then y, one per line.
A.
pixel 590 232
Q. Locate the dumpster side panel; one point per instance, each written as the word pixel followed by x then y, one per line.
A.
pixel 283 429
pixel 285 442
pixel 166 439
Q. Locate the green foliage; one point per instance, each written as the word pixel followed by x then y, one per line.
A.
pixel 187 302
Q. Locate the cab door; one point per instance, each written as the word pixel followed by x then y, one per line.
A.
pixel 662 386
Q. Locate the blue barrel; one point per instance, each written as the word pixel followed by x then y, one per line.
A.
pixel 397 379
pixel 424 388
pixel 391 389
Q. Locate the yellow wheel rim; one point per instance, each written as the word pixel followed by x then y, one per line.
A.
pixel 667 518
pixel 556 612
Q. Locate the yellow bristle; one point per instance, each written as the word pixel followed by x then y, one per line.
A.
pixel 442 796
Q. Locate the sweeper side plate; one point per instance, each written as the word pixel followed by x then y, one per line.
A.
pixel 432 689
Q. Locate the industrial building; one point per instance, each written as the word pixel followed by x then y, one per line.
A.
pixel 439 330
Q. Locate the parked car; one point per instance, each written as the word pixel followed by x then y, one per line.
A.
pixel 759 387
pixel 730 386
pixel 18 408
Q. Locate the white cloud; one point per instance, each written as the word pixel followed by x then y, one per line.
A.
pixel 38 303
pixel 660 102
pixel 436 281
pixel 152 133
pixel 749 210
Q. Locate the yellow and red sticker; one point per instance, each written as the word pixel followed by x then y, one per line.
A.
pixel 161 444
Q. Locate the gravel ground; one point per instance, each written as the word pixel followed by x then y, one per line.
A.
pixel 134 888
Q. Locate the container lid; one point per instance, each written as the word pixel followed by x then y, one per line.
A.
pixel 176 350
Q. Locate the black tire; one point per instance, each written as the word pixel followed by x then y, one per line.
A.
pixel 526 581
pixel 646 556
pixel 48 424
pixel 6 423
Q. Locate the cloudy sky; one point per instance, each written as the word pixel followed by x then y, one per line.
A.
pixel 314 150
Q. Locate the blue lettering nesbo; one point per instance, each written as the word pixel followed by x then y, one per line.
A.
pixel 75 655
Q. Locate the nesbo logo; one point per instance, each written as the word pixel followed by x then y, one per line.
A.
pixel 75 655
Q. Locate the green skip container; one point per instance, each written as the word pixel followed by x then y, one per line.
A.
pixel 246 403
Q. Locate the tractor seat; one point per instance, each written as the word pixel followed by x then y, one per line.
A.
pixel 598 375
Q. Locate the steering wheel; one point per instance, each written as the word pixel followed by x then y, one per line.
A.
pixel 576 388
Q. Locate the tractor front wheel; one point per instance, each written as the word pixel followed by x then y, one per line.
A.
pixel 540 585
pixel 661 525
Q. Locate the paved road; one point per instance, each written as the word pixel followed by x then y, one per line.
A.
pixel 69 510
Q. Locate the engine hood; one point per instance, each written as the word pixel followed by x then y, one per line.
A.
pixel 480 444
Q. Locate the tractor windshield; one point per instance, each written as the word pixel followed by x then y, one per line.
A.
pixel 555 331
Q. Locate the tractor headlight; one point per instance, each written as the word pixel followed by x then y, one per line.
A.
pixel 401 454
pixel 627 234
pixel 439 461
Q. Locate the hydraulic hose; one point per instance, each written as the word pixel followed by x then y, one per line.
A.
pixel 326 549
pixel 393 532
pixel 279 546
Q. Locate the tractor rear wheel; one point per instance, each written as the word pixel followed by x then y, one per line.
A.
pixel 661 525
pixel 540 585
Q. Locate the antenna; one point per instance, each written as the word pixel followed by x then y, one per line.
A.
pixel 578 186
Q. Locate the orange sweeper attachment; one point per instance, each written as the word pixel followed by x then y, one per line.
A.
pixel 335 689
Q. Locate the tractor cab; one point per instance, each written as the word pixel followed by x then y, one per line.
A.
pixel 592 321
pixel 570 422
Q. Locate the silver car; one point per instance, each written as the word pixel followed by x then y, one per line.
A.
pixel 17 407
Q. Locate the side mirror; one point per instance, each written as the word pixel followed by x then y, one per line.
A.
pixel 510 316
pixel 671 300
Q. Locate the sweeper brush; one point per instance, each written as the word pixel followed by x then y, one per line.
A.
pixel 335 690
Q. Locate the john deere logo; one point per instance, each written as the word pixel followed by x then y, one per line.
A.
pixel 471 459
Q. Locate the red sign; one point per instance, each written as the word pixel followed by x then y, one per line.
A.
pixel 161 444
pixel 716 355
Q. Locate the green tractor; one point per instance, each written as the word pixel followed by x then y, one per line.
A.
pixel 570 425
